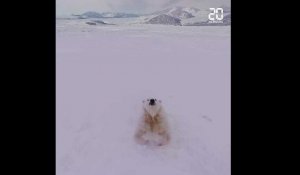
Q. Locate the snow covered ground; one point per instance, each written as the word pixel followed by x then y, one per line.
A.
pixel 104 72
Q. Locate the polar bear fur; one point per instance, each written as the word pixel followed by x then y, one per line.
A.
pixel 153 127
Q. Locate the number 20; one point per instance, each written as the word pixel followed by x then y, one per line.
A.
pixel 218 12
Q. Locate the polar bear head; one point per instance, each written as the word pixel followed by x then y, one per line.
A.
pixel 152 106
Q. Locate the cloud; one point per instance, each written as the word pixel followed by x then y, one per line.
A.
pixel 139 5
pixel 133 6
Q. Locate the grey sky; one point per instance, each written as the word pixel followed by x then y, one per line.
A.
pixel 65 7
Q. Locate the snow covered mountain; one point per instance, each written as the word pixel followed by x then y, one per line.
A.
pixel 179 12
pixel 186 16
pixel 90 14
pixel 164 19
pixel 170 16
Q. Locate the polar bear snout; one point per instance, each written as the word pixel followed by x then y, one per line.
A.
pixel 152 102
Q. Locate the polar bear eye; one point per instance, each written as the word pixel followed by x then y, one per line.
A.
pixel 147 99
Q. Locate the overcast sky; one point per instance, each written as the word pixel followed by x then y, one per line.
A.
pixel 65 7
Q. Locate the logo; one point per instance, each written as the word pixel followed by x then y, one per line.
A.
pixel 216 15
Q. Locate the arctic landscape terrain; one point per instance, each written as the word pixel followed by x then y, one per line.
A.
pixel 186 16
pixel 107 65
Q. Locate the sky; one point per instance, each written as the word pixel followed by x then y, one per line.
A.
pixel 67 7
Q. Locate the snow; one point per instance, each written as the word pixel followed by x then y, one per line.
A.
pixel 104 72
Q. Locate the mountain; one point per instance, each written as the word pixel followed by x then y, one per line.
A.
pixel 179 12
pixel 164 19
pixel 170 16
pixel 90 15
pixel 227 19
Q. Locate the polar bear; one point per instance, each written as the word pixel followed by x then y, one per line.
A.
pixel 153 127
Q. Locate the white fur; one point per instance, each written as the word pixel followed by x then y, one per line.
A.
pixel 153 128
